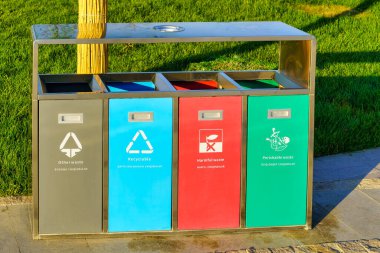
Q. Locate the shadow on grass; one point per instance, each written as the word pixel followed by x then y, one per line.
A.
pixel 183 64
pixel 347 57
pixel 360 8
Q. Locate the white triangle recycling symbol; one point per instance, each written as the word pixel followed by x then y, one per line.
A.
pixel 70 152
pixel 129 149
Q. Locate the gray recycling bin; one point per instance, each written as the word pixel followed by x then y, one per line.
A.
pixel 70 157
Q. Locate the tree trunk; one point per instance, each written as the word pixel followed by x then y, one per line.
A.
pixel 92 58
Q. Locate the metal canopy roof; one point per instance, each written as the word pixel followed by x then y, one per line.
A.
pixel 172 32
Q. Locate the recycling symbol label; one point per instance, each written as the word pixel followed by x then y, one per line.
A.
pixel 149 146
pixel 70 152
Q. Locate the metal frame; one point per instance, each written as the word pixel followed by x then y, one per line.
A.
pixel 297 62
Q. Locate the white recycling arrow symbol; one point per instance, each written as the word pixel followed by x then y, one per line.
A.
pixel 70 152
pixel 135 151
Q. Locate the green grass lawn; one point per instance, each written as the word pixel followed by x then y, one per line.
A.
pixel 348 63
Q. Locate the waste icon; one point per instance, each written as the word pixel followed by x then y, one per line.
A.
pixel 70 152
pixel 141 133
pixel 210 140
pixel 276 142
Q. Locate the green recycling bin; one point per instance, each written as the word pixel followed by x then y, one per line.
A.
pixel 277 160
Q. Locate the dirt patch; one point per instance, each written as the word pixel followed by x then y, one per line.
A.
pixel 205 242
pixel 329 11
pixel 15 200
pixel 156 244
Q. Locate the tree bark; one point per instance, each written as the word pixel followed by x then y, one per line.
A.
pixel 92 16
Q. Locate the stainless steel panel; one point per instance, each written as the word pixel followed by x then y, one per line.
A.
pixel 70 168
pixel 295 59
pixel 189 32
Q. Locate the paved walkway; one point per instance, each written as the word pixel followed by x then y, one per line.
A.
pixel 346 210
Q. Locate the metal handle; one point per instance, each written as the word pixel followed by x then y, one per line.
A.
pixel 70 118
pixel 140 116
pixel 280 114
pixel 210 115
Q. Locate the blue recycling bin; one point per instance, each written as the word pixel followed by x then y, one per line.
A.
pixel 140 164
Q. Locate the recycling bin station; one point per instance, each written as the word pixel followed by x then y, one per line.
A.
pixel 158 153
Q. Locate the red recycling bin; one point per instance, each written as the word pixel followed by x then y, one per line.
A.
pixel 209 162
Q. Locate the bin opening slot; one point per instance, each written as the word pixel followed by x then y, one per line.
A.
pixel 70 118
pixel 125 86
pixel 67 87
pixel 279 114
pixel 210 115
pixel 195 85
pixel 140 116
pixel 259 84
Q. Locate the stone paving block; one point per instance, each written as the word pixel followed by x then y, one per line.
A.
pixel 355 159
pixel 343 166
pixel 233 242
pixel 330 199
pixel 213 242
pixel 372 193
pixel 20 221
pixel 283 250
pixel 312 248
pixel 338 231
pixel 8 242
pixel 237 251
pixel 300 249
pixel 330 227
pixel 352 247
pixel 344 186
pixel 254 250
pixel 360 213
pixel 272 240
pixel 313 236
pixel 375 173
pixel 139 243
pixel 372 155
pixel 192 243
pixel 108 245
pixel 369 183
pixel 333 173
pixel 166 244
pixel 332 247
pixel 372 246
